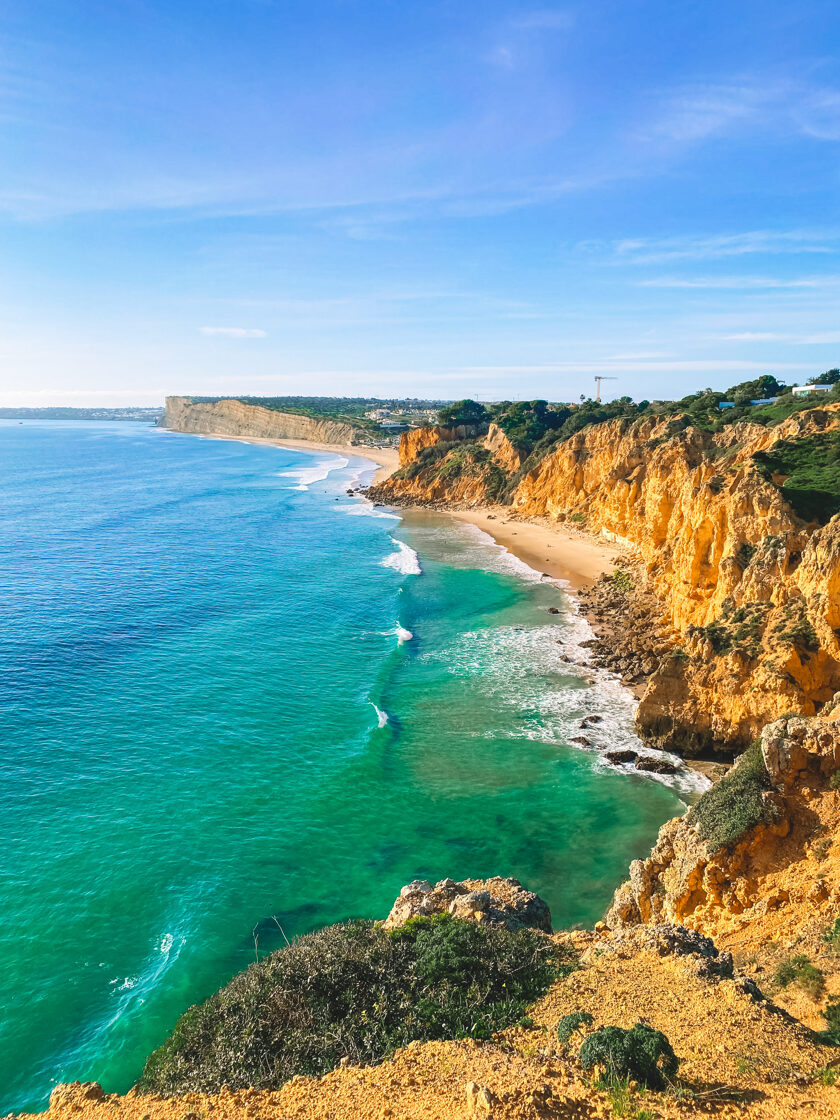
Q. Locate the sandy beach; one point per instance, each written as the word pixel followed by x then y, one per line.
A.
pixel 558 551
pixel 386 457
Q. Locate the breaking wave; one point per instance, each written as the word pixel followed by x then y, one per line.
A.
pixel 405 560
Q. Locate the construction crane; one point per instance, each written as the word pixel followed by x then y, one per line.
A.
pixel 598 381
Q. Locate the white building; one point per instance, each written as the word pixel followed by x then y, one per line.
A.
pixel 809 390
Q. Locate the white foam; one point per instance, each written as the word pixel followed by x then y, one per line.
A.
pixel 307 476
pixel 366 508
pixel 494 557
pixel 404 560
pixel 381 717
pixel 403 634
pixel 517 665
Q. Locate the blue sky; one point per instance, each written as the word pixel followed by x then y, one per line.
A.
pixel 436 199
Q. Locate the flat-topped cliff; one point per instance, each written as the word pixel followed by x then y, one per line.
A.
pixel 235 418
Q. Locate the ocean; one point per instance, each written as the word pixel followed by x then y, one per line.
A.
pixel 238 704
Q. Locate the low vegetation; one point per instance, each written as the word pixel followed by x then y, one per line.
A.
pixel 831 1014
pixel 800 972
pixel 572 1023
pixel 809 473
pixel 831 935
pixel 640 1054
pixel 735 804
pixel 737 628
pixel 354 991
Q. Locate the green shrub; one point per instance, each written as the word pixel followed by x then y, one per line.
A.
pixel 571 1023
pixel 831 1035
pixel 738 628
pixel 735 803
pixel 831 936
pixel 354 991
pixel 810 469
pixel 746 553
pixel 462 412
pixel 621 581
pixel 800 971
pixel 834 780
pixel 640 1054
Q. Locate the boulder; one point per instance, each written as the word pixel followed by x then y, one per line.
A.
pixel 617 757
pixel 655 765
pixel 496 901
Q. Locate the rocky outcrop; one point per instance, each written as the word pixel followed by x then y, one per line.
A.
pixel 748 593
pixel 505 454
pixel 778 810
pixel 493 901
pixel 235 418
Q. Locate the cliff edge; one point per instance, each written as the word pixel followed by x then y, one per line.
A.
pixel 235 418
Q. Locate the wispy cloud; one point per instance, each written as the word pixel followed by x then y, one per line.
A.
pixel 721 246
pixel 744 283
pixel 775 104
pixel 235 332
pixel 642 356
pixel 824 338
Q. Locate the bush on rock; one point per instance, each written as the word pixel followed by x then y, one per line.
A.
pixel 354 991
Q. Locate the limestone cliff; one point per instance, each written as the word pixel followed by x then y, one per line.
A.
pixel 750 590
pixel 235 418
pixel 756 863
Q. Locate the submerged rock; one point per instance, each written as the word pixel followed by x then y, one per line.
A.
pixel 496 901
pixel 617 757
pixel 655 765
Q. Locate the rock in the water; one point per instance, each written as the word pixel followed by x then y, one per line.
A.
pixel 588 721
pixel 655 765
pixel 554 610
pixel 495 901
pixel 616 757
pixel 584 742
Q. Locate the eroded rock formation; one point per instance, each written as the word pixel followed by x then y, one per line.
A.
pixel 778 812
pixel 494 901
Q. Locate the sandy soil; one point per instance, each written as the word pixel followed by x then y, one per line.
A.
pixel 560 552
pixel 387 457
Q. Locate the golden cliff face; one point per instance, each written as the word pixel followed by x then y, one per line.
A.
pixel 751 592
pixel 235 418
pixel 448 465
pixel 773 888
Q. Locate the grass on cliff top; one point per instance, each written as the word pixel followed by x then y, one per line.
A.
pixel 354 991
pixel 735 804
pixel 810 469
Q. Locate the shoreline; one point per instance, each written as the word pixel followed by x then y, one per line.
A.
pixel 562 553
pixel 386 458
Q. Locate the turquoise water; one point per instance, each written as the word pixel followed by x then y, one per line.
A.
pixel 230 703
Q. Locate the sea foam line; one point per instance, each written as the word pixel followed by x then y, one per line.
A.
pixel 308 476
pixel 405 560
pixel 381 717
